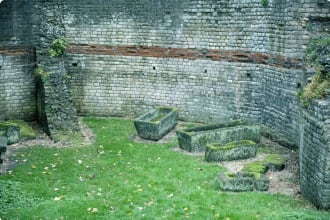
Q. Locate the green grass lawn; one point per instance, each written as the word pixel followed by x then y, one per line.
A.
pixel 117 178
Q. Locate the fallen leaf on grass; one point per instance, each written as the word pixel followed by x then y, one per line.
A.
pixel 92 210
pixel 170 196
pixel 58 198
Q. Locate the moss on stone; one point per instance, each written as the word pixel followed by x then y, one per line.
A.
pixel 158 118
pixel 242 181
pixel 26 131
pixel 230 174
pixel 231 145
pixel 230 151
pixel 275 161
pixel 255 167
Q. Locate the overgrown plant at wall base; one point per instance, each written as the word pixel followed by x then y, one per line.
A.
pixel 58 47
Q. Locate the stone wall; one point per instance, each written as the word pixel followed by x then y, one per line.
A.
pixel 315 154
pixel 17 60
pixel 57 114
pixel 214 60
pixel 16 23
pixel 203 90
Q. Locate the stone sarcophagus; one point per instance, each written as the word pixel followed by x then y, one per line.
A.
pixel 231 151
pixel 196 139
pixel 156 123
pixel 242 182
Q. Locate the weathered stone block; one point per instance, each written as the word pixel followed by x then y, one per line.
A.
pixel 231 151
pixel 242 181
pixel 12 134
pixel 196 139
pixel 10 131
pixel 275 162
pixel 156 123
pixel 3 143
pixel 3 146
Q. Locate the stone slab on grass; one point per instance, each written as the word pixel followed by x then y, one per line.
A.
pixel 273 162
pixel 242 182
pixel 231 151
pixel 156 123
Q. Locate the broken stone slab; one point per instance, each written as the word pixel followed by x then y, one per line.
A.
pixel 156 123
pixel 242 182
pixel 196 139
pixel 231 151
pixel 273 162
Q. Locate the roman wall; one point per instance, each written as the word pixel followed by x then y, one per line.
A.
pixel 214 60
pixel 315 153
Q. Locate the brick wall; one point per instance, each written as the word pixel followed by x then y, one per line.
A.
pixel 17 89
pixel 226 59
pixel 203 90
pixel 213 60
pixel 17 59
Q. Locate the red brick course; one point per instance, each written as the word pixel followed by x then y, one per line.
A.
pixel 15 51
pixel 191 54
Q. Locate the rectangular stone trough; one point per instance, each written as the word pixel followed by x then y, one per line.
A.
pixel 156 123
pixel 196 139
pixel 231 151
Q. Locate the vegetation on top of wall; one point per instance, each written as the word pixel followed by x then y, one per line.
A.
pixel 58 47
pixel 318 55
pixel 265 3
